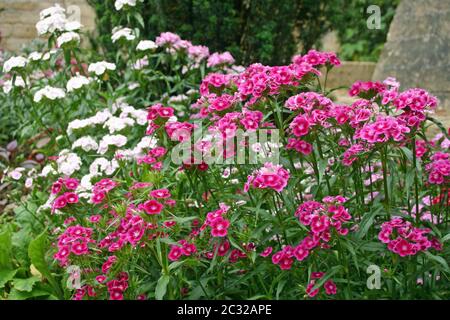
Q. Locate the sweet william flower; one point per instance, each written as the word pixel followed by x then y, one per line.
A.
pixel 77 82
pixel 122 33
pixel 14 63
pixel 152 207
pixel 160 193
pixel 267 251
pixel 50 93
pixel 219 227
pixel 145 45
pixel 101 67
pixel 120 4
pixel 66 38
pixel 330 287
pixel 175 253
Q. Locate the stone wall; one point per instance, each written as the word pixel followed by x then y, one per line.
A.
pixel 18 19
pixel 417 51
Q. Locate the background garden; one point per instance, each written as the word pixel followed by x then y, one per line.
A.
pixel 93 207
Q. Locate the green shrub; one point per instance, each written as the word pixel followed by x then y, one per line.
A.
pixel 265 31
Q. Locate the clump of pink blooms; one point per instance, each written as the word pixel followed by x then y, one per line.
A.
pixel 101 189
pixel 322 219
pixel 270 176
pixel 404 239
pixel 382 130
pixel 439 168
pixel 217 222
pixel 173 43
pixel 75 240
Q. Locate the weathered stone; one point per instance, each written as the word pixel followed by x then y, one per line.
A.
pixel 417 51
pixel 18 19
pixel 348 73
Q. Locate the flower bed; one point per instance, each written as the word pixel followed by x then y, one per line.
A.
pixel 173 174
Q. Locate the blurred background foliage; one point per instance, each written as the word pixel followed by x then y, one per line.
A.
pixel 268 31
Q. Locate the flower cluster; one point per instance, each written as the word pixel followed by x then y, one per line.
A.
pixel 269 176
pixel 438 168
pixel 216 221
pixel 74 240
pixel 404 239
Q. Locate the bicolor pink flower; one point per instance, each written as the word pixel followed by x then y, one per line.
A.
pixel 153 207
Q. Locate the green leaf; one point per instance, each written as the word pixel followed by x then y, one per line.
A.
pixel 438 259
pixel 23 295
pixel 25 284
pixel 6 276
pixel 5 250
pixel 161 287
pixel 36 252
pixel 327 276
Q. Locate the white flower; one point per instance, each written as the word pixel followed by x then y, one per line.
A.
pixel 99 68
pixel 52 23
pixel 73 26
pixel 49 92
pixel 77 82
pixel 55 10
pixel 115 124
pixel 9 85
pixel 178 99
pixel 144 45
pixel 67 37
pixel 14 62
pixel 139 115
pixel 28 183
pixel 68 162
pixel 133 85
pixel 103 165
pixel 35 56
pixel 119 33
pixel 108 140
pixel 139 150
pixel 85 183
pixel 140 63
pixel 120 3
pixel 48 169
pixel 86 143
pixel 16 174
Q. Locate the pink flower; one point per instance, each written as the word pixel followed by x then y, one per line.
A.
pixel 116 294
pixel 309 290
pixel 267 251
pixel 219 227
pixel 330 287
pixel 270 176
pixel 153 207
pixel 319 224
pixel 100 278
pixel 160 193
pixel 80 248
pixel 301 253
pixel 71 197
pixel 95 218
pixel 71 183
pixel 175 253
pixel 56 187
pixel 403 248
pixel 300 126
pixel 97 198
pixel 60 202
